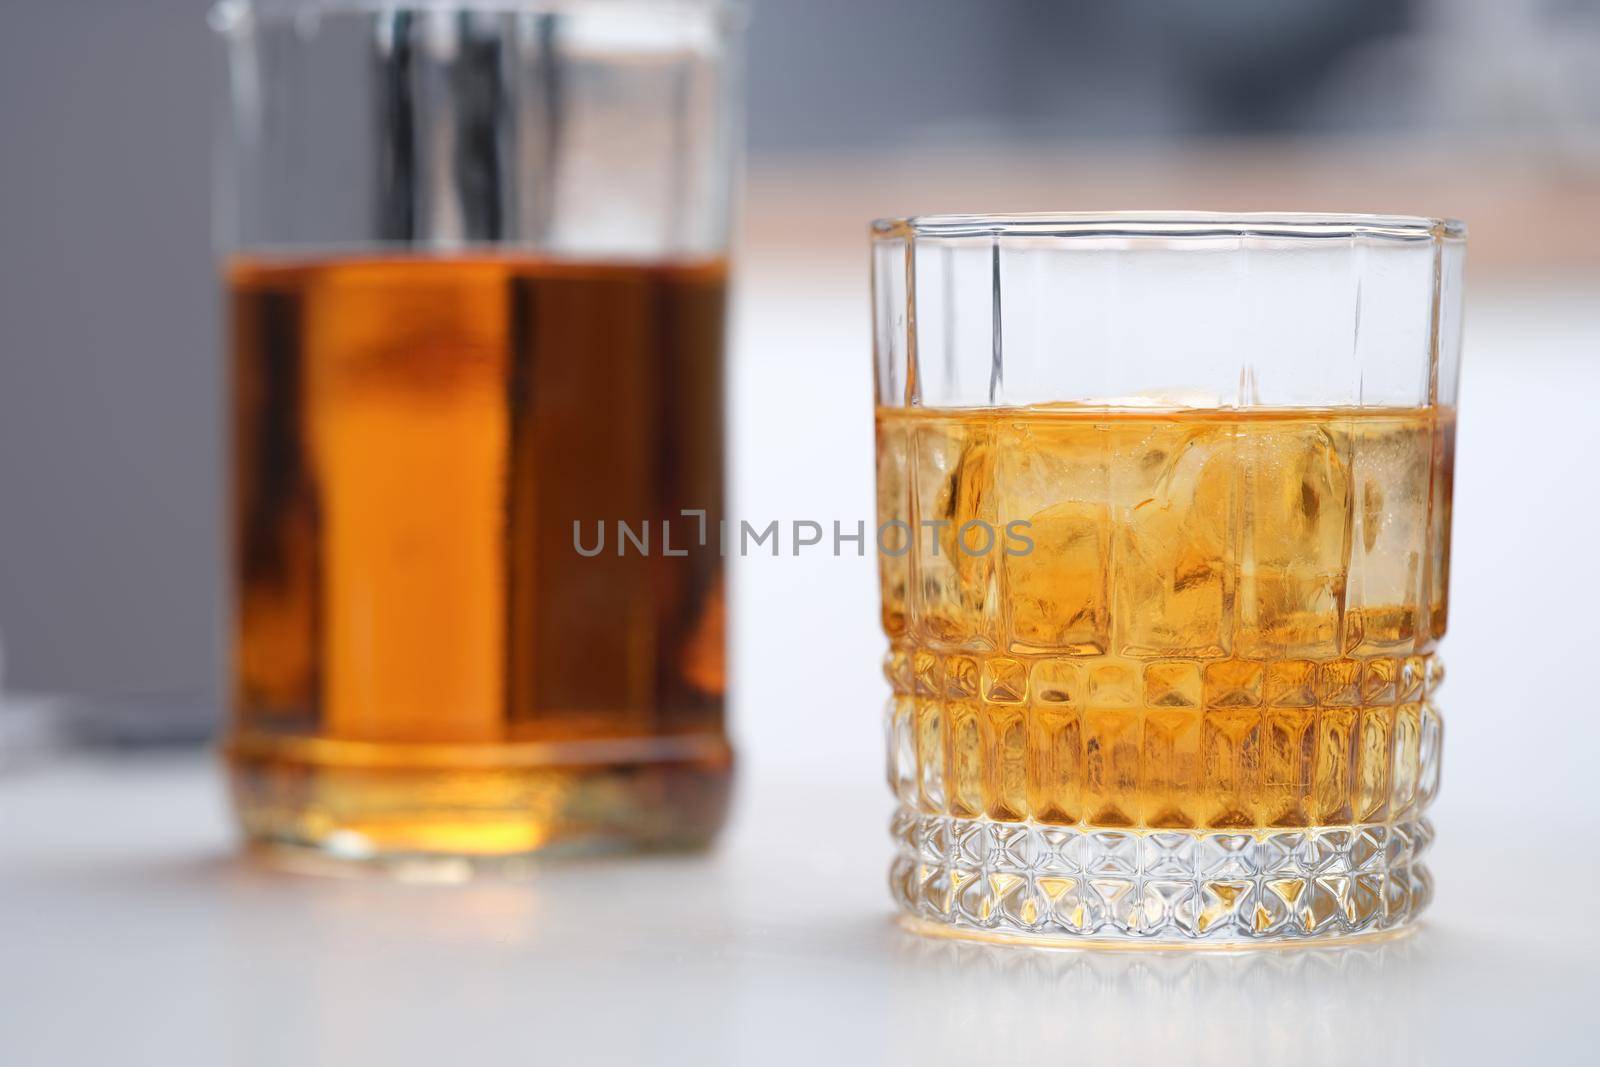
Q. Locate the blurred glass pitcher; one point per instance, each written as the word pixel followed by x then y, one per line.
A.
pixel 475 260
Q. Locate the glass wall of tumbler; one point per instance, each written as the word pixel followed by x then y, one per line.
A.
pixel 1172 494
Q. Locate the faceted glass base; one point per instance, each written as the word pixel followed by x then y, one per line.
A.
pixel 447 812
pixel 1066 885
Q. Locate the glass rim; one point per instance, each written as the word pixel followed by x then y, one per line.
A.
pixel 1068 224
pixel 227 15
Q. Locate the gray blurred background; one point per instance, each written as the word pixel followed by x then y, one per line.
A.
pixel 110 385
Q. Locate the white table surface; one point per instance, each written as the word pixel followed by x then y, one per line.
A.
pixel 132 936
pixel 129 935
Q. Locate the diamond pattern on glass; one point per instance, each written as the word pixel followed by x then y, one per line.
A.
pixel 1177 798
pixel 1024 879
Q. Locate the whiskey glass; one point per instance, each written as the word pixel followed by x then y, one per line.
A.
pixel 475 262
pixel 1164 505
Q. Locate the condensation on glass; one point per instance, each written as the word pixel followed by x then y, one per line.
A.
pixel 475 264
pixel 1172 495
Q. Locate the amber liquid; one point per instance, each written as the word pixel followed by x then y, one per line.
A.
pixel 423 662
pixel 1226 618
